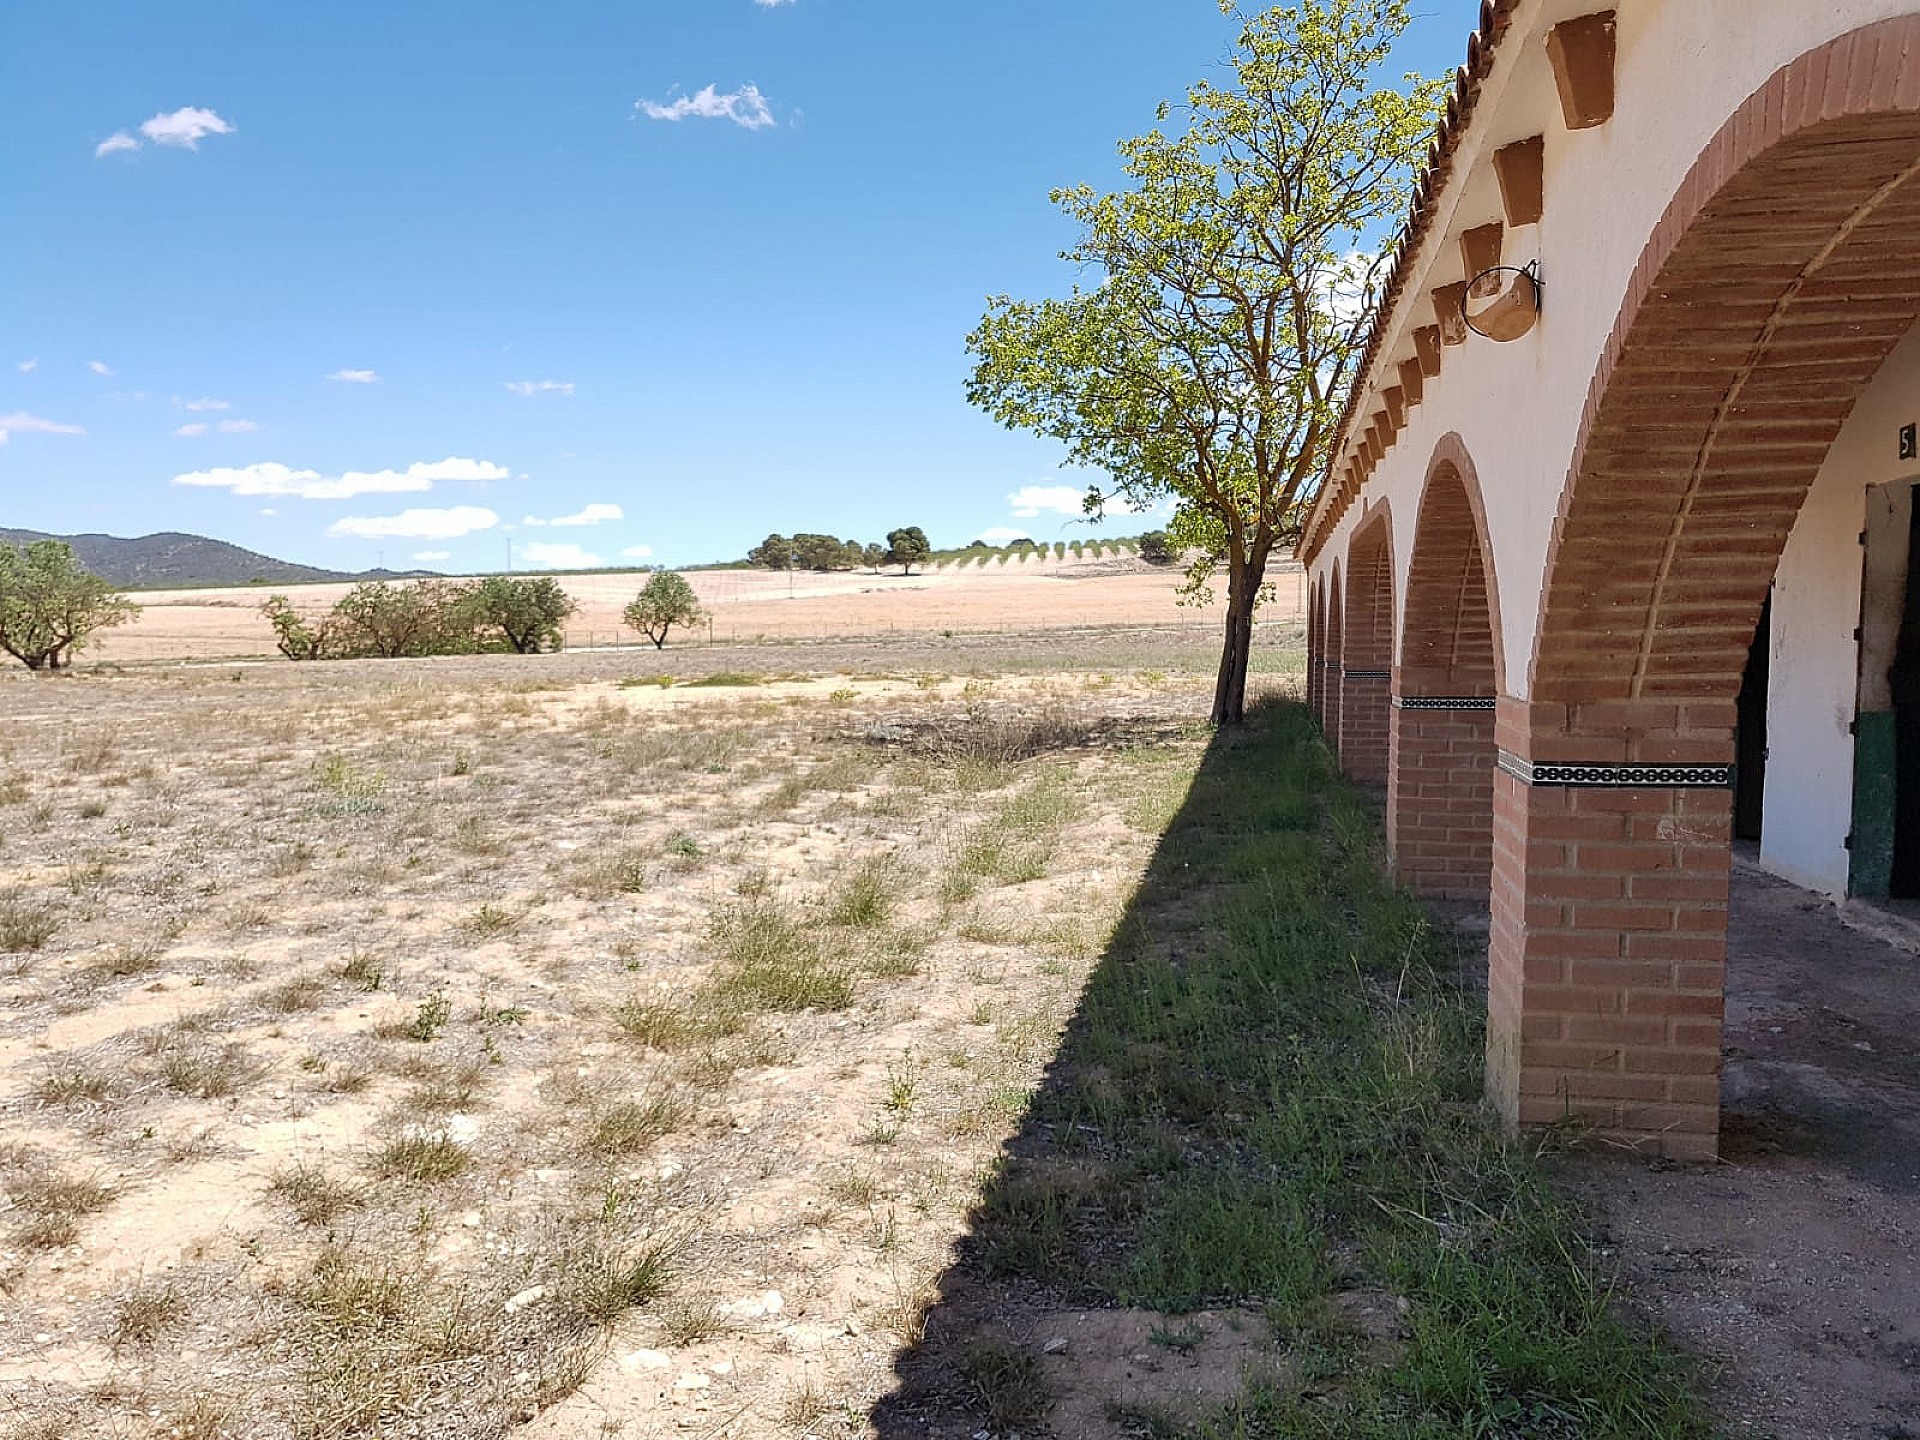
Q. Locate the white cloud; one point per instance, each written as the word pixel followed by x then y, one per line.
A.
pixel 198 427
pixel 237 427
pixel 540 387
pixel 269 512
pixel 115 143
pixel 27 367
pixel 637 552
pixel 185 127
pixel 99 367
pixel 430 555
pixel 591 515
pixel 1031 500
pixel 560 557
pixel 1001 535
pixel 745 107
pixel 771 4
pixel 203 404
pixel 21 423
pixel 448 524
pixel 531 520
pixel 272 478
pixel 355 377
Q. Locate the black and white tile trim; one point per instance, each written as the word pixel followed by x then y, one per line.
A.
pixel 1369 674
pixel 1604 776
pixel 1444 702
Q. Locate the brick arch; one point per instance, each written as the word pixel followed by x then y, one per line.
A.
pixel 1333 639
pixel 1441 751
pixel 1786 268
pixel 1367 656
pixel 1450 623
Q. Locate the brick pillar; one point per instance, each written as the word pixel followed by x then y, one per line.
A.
pixel 1365 717
pixel 1440 766
pixel 1606 967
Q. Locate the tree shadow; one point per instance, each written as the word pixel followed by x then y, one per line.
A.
pixel 1256 1190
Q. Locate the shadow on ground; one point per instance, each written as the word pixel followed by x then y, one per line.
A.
pixel 1256 1192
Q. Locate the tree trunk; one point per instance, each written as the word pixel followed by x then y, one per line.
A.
pixel 1244 578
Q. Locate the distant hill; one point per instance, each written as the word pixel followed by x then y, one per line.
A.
pixel 172 561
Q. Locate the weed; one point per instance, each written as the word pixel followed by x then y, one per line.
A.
pixel 429 1018
pixel 865 897
pixel 302 992
pixel 692 1320
pixel 363 968
pixel 491 1014
pixel 630 1126
pixel 144 1313
pixel 772 961
pixel 316 1197
pixel 423 1158
pixel 600 1280
pixel 345 790
pixel 902 1087
pixel 683 846
pixel 25 925
pixel 54 1204
pixel 1008 1383
pixel 489 922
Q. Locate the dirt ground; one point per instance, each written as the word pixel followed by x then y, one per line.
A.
pixel 1793 1267
pixel 424 1050
pixel 750 606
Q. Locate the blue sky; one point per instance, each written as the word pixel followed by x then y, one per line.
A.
pixel 368 282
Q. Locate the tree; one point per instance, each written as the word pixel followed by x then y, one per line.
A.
pixel 428 617
pixel 773 553
pixel 1212 359
pixel 50 604
pixel 296 635
pixel 1157 549
pixel 666 601
pixel 528 611
pixel 873 557
pixel 907 547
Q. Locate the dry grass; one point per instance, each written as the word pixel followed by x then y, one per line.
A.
pixel 464 993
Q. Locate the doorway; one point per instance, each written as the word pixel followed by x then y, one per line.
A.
pixel 1750 733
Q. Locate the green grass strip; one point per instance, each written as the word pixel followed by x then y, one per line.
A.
pixel 1271 1095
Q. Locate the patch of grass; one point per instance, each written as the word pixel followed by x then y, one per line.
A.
pixel 1270 1093
pixel 145 1313
pixel 429 1018
pixel 75 1082
pixel 364 969
pixel 630 1126
pixel 865 897
pixel 302 992
pixel 345 791
pixel 726 679
pixel 425 1159
pixel 1008 1382
pixel 773 961
pixel 693 1319
pixel 606 877
pixel 207 1072
pixel 25 925
pixel 54 1204
pixel 316 1197
pixel 489 922
pixel 599 1280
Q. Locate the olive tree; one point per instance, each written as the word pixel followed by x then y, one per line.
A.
pixel 50 604
pixel 665 601
pixel 1237 275
pixel 528 611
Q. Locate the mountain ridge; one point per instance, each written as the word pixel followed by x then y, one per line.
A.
pixel 176 560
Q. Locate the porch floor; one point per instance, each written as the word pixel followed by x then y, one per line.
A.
pixel 1793 1266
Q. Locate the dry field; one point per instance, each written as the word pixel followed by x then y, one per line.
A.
pixel 748 606
pixel 432 1049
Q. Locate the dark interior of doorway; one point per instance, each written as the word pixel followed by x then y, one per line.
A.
pixel 1750 733
pixel 1904 683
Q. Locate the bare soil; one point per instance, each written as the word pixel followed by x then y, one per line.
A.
pixel 435 1049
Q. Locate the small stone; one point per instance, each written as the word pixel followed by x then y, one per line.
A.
pixel 471 1219
pixel 532 1294
pixel 1055 1346
pixel 771 1303
pixel 693 1380
pixel 725 1367
pixel 644 1360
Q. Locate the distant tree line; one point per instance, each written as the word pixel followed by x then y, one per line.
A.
pixel 905 547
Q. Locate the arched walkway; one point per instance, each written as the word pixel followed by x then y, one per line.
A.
pixel 1442 751
pixel 1367 658
pixel 1786 268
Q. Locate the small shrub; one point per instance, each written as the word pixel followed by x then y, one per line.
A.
pixel 315 1196
pixel 24 925
pixel 143 1315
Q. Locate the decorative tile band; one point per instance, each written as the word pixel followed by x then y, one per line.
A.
pixel 1369 674
pixel 1444 702
pixel 1607 776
